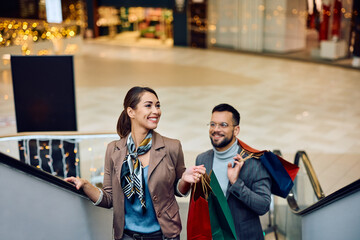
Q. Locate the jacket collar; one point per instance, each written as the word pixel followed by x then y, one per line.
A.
pixel 157 142
pixel 157 153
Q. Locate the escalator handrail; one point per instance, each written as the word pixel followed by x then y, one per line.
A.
pixel 323 200
pixel 339 194
pixel 47 177
pixel 291 198
pixel 310 172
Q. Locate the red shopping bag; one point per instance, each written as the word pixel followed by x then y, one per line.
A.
pixel 198 222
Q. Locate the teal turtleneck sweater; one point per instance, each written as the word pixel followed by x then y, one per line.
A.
pixel 221 160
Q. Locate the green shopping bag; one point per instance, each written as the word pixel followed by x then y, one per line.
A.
pixel 221 220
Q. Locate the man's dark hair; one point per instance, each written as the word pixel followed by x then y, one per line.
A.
pixel 224 107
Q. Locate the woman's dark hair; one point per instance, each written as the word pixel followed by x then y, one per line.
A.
pixel 131 99
pixel 228 108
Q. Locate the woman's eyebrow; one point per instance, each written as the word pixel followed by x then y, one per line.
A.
pixel 151 102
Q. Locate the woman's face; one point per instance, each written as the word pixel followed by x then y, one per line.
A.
pixel 147 113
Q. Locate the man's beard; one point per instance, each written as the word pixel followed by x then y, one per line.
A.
pixel 223 143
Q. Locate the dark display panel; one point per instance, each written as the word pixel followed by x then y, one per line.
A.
pixel 44 93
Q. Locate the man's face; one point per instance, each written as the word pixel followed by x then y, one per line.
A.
pixel 222 131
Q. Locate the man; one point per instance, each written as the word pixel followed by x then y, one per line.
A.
pixel 243 179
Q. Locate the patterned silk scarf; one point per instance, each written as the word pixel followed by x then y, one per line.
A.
pixel 132 180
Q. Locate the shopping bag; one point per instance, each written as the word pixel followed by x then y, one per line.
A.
pixel 282 173
pixel 209 215
pixel 221 220
pixel 198 222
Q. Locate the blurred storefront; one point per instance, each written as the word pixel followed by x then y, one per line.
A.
pixel 321 30
pixel 162 20
pixel 42 27
pixel 325 31
pixel 130 24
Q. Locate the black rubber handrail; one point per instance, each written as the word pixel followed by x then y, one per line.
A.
pixel 339 194
pixel 21 166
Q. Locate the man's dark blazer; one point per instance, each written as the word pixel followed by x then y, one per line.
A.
pixel 248 197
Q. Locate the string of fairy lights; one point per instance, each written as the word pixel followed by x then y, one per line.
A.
pixel 44 155
pixel 20 32
pixel 59 154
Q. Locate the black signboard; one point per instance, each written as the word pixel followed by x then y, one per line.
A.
pixel 44 93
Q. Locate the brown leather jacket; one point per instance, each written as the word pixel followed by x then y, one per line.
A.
pixel 165 169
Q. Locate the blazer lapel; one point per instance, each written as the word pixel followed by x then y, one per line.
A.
pixel 209 161
pixel 227 190
pixel 118 156
pixel 157 152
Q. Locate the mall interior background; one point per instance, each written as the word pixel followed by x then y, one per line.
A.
pixel 290 67
pixel 324 31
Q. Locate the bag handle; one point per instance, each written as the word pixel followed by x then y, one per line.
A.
pixel 205 183
pixel 243 153
pixel 205 188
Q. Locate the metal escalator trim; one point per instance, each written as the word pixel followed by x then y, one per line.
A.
pixel 311 173
pixel 291 198
pixel 292 202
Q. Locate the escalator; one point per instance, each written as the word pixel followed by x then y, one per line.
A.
pixel 37 205
pixel 308 214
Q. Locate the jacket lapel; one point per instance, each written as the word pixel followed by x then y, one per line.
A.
pixel 227 190
pixel 208 164
pixel 118 156
pixel 157 152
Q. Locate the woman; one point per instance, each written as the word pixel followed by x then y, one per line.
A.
pixel 142 174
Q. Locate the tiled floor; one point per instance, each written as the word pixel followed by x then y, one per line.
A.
pixel 284 104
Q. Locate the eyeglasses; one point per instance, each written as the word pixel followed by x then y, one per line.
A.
pixel 222 125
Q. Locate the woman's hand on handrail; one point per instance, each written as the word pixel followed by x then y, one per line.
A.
pixel 90 190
